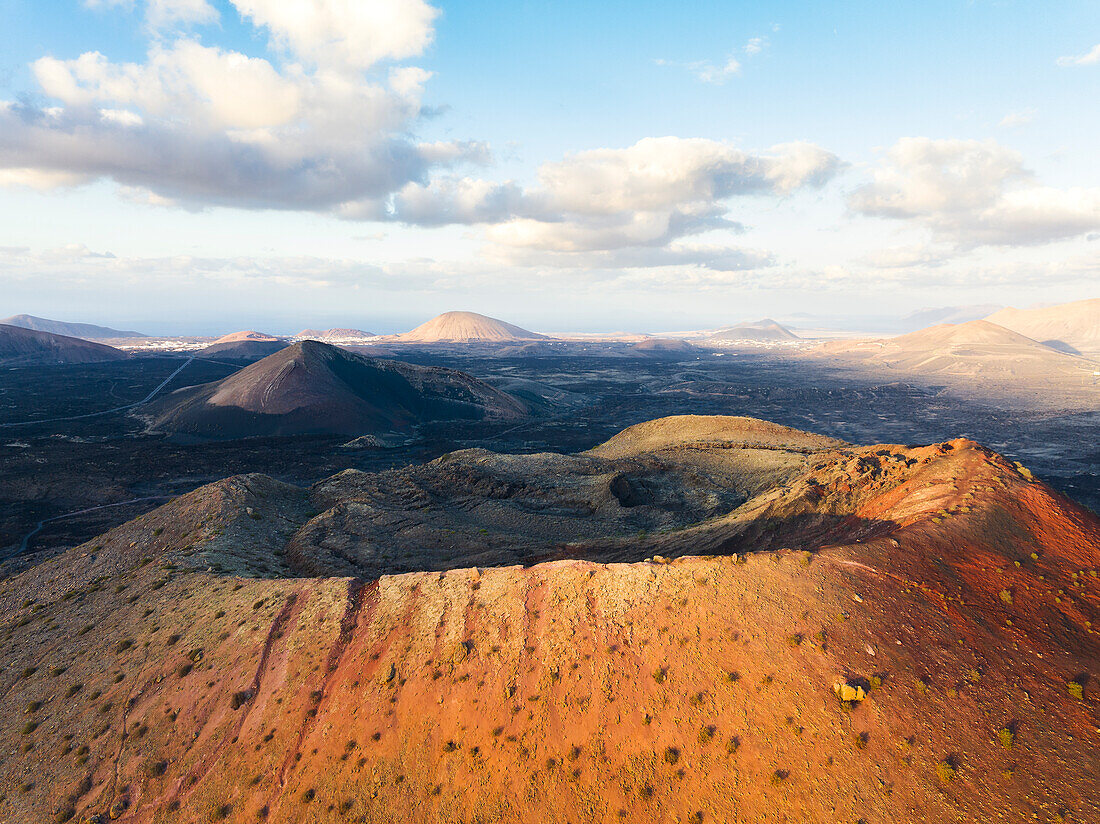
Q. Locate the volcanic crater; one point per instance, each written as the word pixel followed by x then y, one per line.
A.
pixel 703 619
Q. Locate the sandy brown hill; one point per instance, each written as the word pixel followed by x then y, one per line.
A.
pixel 312 387
pixel 20 346
pixel 247 334
pixel 981 358
pixel 1072 327
pixel 766 330
pixel 905 634
pixel 86 331
pixel 467 327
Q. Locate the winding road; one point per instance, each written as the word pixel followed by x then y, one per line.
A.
pixel 144 400
pixel 27 538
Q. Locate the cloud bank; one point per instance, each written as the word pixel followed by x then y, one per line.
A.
pixel 971 193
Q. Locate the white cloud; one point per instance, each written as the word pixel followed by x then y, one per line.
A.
pixel 705 71
pixel 207 87
pixel 163 13
pixel 643 197
pixel 1089 58
pixel 756 45
pixel 40 179
pixel 974 193
pixel 1018 118
pixel 200 125
pixel 342 33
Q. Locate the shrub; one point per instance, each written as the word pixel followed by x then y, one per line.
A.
pixel 672 755
pixel 1007 737
pixel 660 674
pixel 946 770
pixel 1076 689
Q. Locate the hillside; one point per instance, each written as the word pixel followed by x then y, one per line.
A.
pixel 978 357
pixel 1070 327
pixel 665 347
pixel 248 350
pixel 880 633
pixel 467 327
pixel 20 346
pixel 87 331
pixel 311 387
pixel 762 331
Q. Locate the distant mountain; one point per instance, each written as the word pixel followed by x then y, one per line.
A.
pixel 27 346
pixel 979 357
pixel 85 331
pixel 467 327
pixel 1070 327
pixel 924 318
pixel 248 334
pixel 334 334
pixel 766 330
pixel 311 388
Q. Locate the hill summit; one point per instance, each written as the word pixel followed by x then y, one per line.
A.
pixel 27 346
pixel 312 387
pixel 761 331
pixel 467 327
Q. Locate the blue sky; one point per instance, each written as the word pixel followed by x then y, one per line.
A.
pixel 563 165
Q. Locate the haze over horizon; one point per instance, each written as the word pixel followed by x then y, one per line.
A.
pixel 206 165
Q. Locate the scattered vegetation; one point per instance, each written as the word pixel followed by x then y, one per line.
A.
pixel 946 770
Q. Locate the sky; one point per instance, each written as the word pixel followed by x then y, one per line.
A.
pixel 200 166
